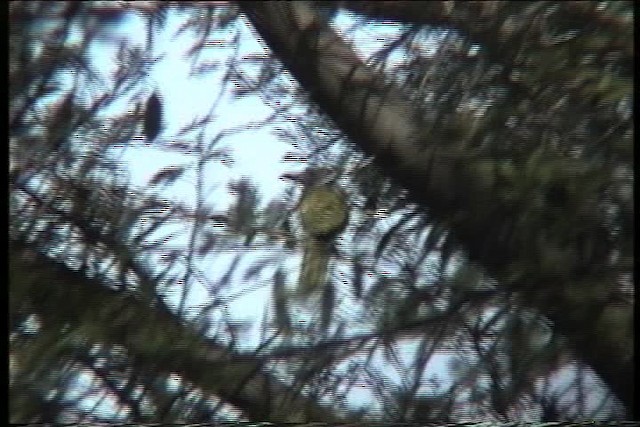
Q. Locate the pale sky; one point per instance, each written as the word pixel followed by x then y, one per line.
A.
pixel 256 153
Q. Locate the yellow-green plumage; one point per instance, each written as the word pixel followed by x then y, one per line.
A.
pixel 323 211
pixel 324 214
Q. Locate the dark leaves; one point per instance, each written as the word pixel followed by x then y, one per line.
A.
pixel 153 118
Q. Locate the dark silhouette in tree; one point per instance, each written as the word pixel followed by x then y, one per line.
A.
pixel 153 117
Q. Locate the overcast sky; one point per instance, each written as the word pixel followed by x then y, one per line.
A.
pixel 256 154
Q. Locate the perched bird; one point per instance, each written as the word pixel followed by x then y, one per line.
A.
pixel 153 118
pixel 323 213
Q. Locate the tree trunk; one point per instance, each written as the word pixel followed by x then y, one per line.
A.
pixel 155 339
pixel 448 181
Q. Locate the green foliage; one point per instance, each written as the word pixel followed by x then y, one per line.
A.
pixel 529 107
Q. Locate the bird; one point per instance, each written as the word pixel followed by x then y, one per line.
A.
pixel 324 214
pixel 153 117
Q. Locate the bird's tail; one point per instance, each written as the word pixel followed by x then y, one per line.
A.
pixel 315 266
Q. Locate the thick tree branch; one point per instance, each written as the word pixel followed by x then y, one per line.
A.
pixel 153 337
pixel 447 182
